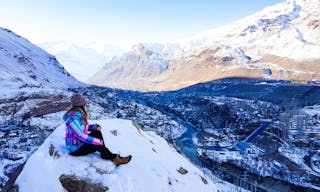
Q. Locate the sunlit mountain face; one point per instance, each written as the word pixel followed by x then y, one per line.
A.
pixel 280 42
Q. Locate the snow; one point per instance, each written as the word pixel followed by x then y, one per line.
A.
pixel 153 166
pixel 48 122
pixel 296 155
pixel 312 110
pixel 25 65
pixel 280 23
pixel 287 31
pixel 315 162
pixel 82 61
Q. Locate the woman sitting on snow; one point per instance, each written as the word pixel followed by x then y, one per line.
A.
pixel 82 138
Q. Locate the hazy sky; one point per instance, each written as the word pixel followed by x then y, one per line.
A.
pixel 121 22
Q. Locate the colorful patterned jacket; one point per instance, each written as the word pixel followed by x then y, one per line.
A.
pixel 77 131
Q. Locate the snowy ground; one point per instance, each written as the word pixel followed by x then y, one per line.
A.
pixel 153 167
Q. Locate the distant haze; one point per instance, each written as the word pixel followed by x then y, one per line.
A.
pixel 121 23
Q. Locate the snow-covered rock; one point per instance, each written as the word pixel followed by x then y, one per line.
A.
pixel 154 167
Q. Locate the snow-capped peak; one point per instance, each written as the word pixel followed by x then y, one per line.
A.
pixel 283 38
pixel 154 167
pixel 280 14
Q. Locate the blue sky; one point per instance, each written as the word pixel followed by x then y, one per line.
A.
pixel 121 22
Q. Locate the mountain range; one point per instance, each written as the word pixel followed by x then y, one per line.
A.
pixel 35 92
pixel 82 61
pixel 280 42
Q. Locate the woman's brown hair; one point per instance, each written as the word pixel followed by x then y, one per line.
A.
pixel 83 108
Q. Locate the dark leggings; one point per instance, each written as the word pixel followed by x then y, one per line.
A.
pixel 86 148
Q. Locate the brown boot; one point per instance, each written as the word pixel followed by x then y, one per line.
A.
pixel 121 160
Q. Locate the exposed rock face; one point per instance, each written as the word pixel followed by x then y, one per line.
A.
pixel 36 104
pixel 10 187
pixel 74 184
pixel 138 65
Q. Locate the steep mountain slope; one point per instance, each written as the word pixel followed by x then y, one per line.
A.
pixel 280 42
pixel 22 64
pixel 33 84
pixel 82 61
pixel 142 62
pixel 155 165
pixel 30 76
